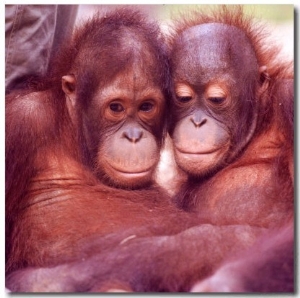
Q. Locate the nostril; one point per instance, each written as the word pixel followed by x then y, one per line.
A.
pixel 198 123
pixel 133 135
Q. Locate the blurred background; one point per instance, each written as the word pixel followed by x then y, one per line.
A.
pixel 278 17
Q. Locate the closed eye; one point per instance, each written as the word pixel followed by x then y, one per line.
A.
pixel 217 100
pixel 184 98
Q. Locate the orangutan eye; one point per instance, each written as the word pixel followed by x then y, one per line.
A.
pixel 184 93
pixel 116 107
pixel 184 99
pixel 216 94
pixel 146 106
pixel 217 100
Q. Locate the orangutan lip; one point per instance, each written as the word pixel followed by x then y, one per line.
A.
pixel 131 173
pixel 197 153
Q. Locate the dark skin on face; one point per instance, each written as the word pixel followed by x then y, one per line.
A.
pixel 127 104
pixel 208 97
pixel 131 109
pixel 232 127
pixel 218 125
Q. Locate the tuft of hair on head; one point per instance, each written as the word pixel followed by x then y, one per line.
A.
pixel 255 30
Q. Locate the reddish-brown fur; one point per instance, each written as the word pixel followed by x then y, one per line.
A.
pixel 237 203
pixel 262 168
pixel 53 198
pixel 268 266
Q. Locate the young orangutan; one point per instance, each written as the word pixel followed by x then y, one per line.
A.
pixel 232 129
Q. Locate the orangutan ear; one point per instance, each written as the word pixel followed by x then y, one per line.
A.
pixel 264 75
pixel 69 88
